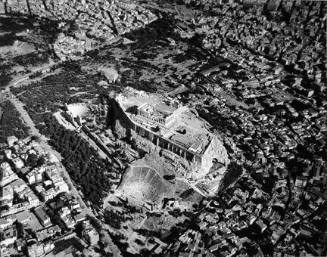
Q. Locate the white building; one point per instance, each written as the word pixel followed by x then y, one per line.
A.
pixel 18 162
pixel 8 236
pixel 6 174
pixel 11 140
pixel 7 193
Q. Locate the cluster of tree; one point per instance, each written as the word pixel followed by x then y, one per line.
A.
pixel 107 246
pixel 39 96
pixel 35 161
pixel 34 58
pixel 5 74
pixel 81 161
pixel 114 219
pixel 10 122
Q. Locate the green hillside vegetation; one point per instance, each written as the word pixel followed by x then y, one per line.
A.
pixel 91 174
pixel 10 122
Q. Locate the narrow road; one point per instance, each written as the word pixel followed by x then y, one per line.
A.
pixel 42 139
pixel 43 142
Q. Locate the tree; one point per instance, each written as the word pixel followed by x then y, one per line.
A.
pixel 41 161
pixel 32 160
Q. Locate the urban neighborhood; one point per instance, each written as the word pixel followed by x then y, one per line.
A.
pixel 191 128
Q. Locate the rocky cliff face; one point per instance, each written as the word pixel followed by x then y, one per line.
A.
pixel 215 150
pixel 93 21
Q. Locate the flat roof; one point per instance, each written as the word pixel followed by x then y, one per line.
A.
pixel 40 213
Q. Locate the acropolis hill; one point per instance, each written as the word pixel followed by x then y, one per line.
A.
pixel 177 130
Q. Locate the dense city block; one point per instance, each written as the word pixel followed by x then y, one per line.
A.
pixel 163 128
